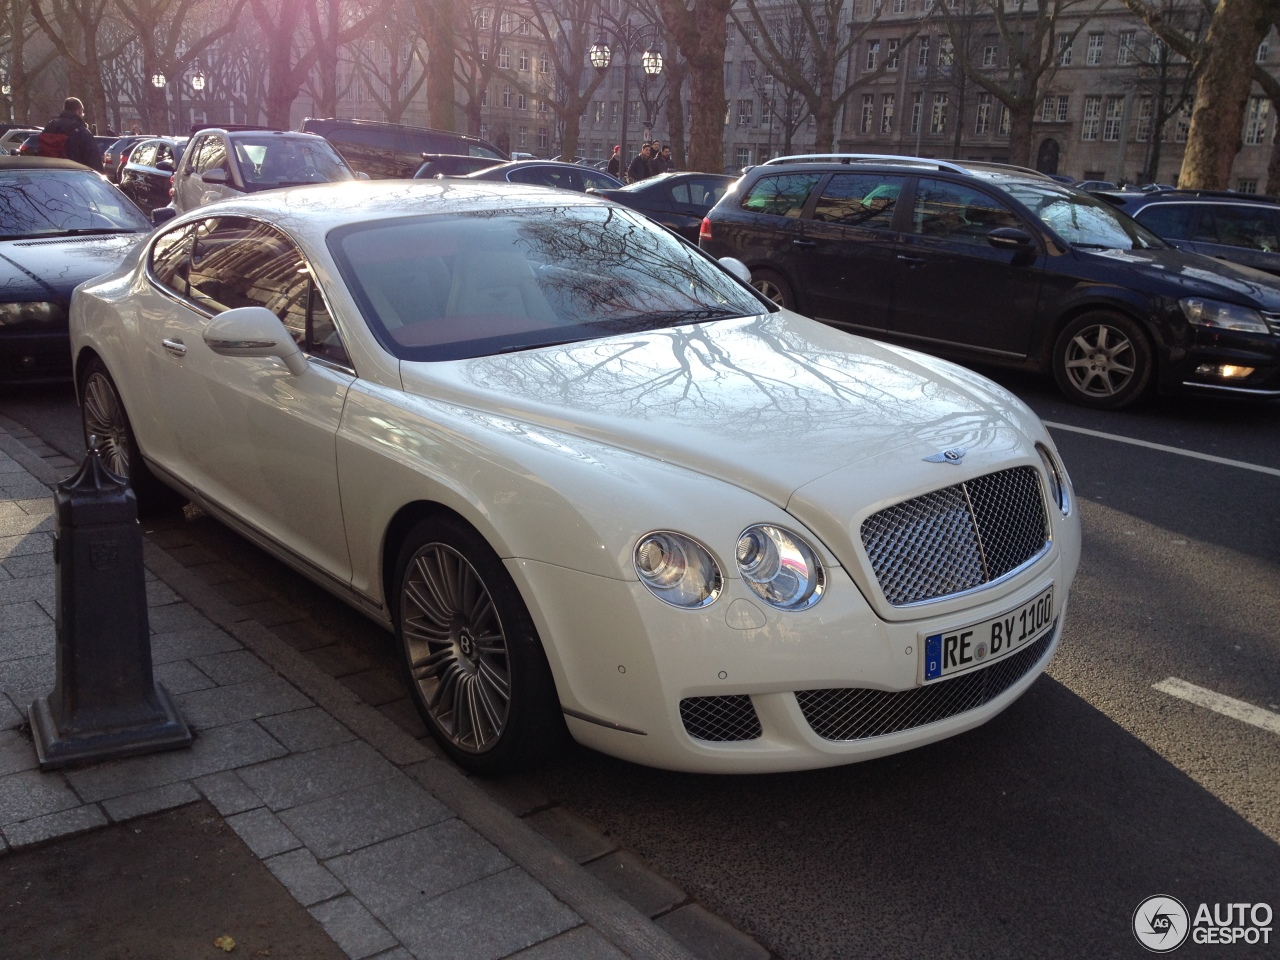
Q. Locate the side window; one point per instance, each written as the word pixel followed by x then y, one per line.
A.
pixel 1172 221
pixel 323 339
pixel 780 196
pixel 542 176
pixel 213 156
pixel 859 200
pixel 592 179
pixel 144 156
pixel 956 213
pixel 170 259
pixel 1250 227
pixel 681 193
pixel 707 193
pixel 193 154
pixel 164 152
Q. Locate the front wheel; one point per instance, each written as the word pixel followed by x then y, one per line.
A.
pixel 474 664
pixel 1103 360
pixel 774 286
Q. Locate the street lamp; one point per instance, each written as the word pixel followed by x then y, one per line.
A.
pixel 197 86
pixel 627 37
pixel 158 80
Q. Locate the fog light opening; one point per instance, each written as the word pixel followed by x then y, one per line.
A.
pixel 1224 371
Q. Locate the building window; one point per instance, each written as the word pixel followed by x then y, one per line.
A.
pixel 1093 55
pixel 484 97
pixel 753 30
pixel 525 28
pixel 615 111
pixel 990 53
pixel 524 60
pixel 892 55
pixel 938 117
pixel 747 71
pixel 506 95
pixel 522 103
pixel 597 150
pixel 917 107
pixel 504 58
pixel 746 112
pixel 1183 127
pixel 1112 121
pixel 873 55
pixel 508 19
pixel 542 106
pixel 1124 50
pixel 922 53
pixel 886 113
pixel 1142 129
pixel 523 134
pixel 946 52
pixel 542 138
pixel 1003 129
pixel 1263 49
pixel 1092 112
pixel 1064 49
pixel 1048 109
pixel 982 116
pixel 1247 186
pixel 633 111
pixel 482 19
pixel 1063 104
pixel 544 65
pixel 744 156
pixel 1255 123
pixel 868 109
pixel 899 6
pixel 484 51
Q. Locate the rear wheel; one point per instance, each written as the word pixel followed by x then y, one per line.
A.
pixel 1103 360
pixel 774 286
pixel 475 666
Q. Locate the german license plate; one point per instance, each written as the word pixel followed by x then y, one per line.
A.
pixel 981 644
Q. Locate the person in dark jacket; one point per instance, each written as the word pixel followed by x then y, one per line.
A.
pixel 67 135
pixel 615 162
pixel 639 169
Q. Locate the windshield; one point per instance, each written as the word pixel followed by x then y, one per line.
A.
pixel 1079 219
pixel 269 161
pixel 451 286
pixel 37 203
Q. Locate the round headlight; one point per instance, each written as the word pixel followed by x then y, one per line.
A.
pixel 677 570
pixel 1056 473
pixel 779 567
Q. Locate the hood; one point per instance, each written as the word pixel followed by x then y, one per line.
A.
pixel 49 268
pixel 768 403
pixel 1191 274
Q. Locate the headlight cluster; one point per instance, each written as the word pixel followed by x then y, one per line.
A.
pixel 33 312
pixel 1222 316
pixel 1059 482
pixel 779 567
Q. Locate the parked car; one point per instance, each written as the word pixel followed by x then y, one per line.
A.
pixel 12 139
pixel 587 475
pixel 675 200
pixel 451 165
pixel 395 150
pixel 117 155
pixel 30 146
pixel 1239 227
pixel 1092 185
pixel 992 264
pixel 548 173
pixel 147 178
pixel 61 224
pixel 226 163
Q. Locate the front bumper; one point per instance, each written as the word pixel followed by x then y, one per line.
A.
pixel 35 356
pixel 624 662
pixel 1214 349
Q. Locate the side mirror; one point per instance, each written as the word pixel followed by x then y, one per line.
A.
pixel 162 215
pixel 737 268
pixel 253 332
pixel 361 175
pixel 165 166
pixel 1010 238
pixel 215 177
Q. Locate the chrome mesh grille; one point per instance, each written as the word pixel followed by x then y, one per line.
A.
pixel 856 714
pixel 720 719
pixel 1273 320
pixel 957 538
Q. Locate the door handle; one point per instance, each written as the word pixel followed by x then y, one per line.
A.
pixel 805 243
pixel 914 261
pixel 176 347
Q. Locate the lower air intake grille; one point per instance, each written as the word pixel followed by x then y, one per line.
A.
pixel 719 719
pixel 957 538
pixel 856 714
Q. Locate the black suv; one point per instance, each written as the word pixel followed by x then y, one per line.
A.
pixel 394 150
pixel 997 264
pixel 1240 227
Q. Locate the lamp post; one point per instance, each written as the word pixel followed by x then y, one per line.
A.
pixel 6 90
pixel 627 37
pixel 197 87
pixel 159 102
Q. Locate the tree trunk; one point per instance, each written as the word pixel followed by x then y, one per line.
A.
pixel 700 35
pixel 1222 91
pixel 706 126
pixel 1020 120
pixel 569 135
pixel 1273 165
pixel 677 70
pixel 326 40
pixel 824 119
pixel 283 85
pixel 437 20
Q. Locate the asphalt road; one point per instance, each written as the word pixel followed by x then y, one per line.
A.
pixel 1038 834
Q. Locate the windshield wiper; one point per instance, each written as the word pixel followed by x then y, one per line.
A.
pixel 1093 246
pixel 75 232
pixel 685 316
pixel 519 347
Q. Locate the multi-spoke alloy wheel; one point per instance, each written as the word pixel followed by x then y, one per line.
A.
pixel 105 422
pixel 472 657
pixel 773 286
pixel 456 647
pixel 1102 360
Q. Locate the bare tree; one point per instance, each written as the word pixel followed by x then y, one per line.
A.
pixel 1170 77
pixel 438 21
pixel 392 62
pixel 74 27
pixel 698 28
pixel 477 39
pixel 16 28
pixel 1034 35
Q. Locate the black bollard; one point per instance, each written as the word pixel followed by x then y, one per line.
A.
pixel 105 701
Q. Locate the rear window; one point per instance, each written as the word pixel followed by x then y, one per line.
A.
pixel 1253 228
pixel 1173 221
pixel 780 196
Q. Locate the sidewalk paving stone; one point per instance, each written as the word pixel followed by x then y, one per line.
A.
pixel 305 877
pixel 60 824
pixel 233 666
pixel 304 777
pixel 353 927
pixel 580 943
pixel 16 753
pixel 10 716
pixel 30 794
pixel 23 546
pixel 150 801
pixel 307 729
pixel 218 706
pixel 228 793
pixel 24 642
pixel 263 832
pixel 39 589
pixel 185 644
pixel 361 817
pixel 180 676
pixel 25 614
pixel 572 834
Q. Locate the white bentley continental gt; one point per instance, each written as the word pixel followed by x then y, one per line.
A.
pixel 586 474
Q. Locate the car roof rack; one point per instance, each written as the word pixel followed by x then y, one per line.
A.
pixel 867 158
pixel 1216 194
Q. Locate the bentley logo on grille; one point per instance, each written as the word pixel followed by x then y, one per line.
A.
pixel 954 455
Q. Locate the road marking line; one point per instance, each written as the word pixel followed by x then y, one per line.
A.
pixel 1219 703
pixel 1271 471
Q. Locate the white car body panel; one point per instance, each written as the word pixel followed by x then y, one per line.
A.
pixel 703 429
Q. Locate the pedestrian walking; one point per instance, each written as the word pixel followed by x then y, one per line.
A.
pixel 639 169
pixel 67 135
pixel 615 162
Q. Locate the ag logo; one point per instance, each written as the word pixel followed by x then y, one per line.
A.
pixel 1161 923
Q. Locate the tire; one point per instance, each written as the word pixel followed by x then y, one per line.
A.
pixel 102 415
pixel 774 286
pixel 470 653
pixel 1103 360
